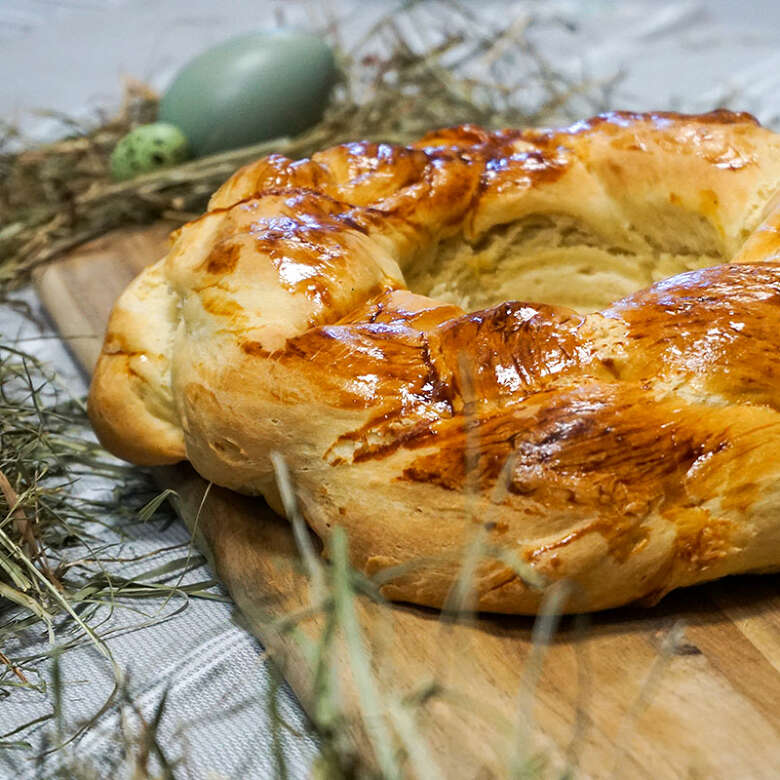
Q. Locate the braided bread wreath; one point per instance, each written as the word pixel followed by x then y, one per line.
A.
pixel 359 313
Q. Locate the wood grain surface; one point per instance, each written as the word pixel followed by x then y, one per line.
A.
pixel 687 689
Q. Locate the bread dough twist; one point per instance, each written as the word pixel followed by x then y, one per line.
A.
pixel 428 335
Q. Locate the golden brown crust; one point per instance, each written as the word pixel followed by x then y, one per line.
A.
pixel 631 450
pixel 130 399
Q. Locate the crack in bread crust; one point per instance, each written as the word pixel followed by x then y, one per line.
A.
pixel 567 337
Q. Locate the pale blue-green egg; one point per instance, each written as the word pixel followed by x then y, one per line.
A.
pixel 249 89
pixel 148 148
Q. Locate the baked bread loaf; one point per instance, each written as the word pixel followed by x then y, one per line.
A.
pixel 428 335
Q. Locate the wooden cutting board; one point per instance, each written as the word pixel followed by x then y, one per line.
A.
pixel 619 694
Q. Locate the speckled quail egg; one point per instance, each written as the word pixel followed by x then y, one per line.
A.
pixel 148 148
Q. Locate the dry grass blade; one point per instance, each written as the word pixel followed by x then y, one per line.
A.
pixel 23 525
pixel 360 664
pixel 584 691
pixel 300 529
pixel 673 640
pixel 553 603
pixel 15 669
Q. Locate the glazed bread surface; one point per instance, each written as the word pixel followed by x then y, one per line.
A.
pixel 564 341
